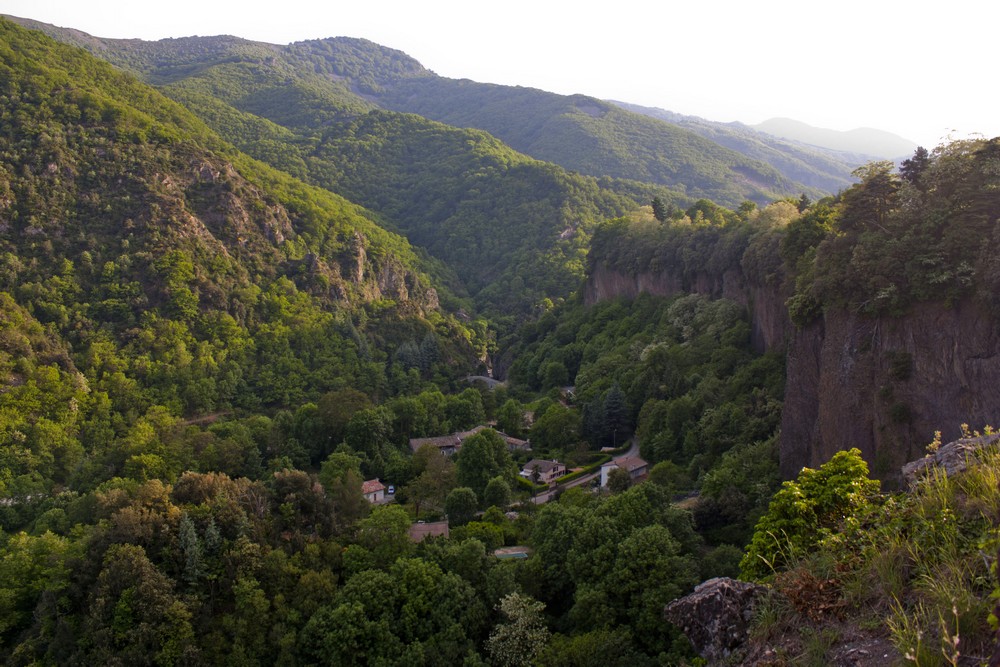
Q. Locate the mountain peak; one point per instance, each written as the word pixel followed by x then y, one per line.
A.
pixel 863 140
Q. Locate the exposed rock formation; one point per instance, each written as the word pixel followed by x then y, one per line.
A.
pixel 769 321
pixel 716 616
pixel 885 385
pixel 952 458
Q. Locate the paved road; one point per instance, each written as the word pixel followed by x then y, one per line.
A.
pixel 546 496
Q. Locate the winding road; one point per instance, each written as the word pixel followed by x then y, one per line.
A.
pixel 546 496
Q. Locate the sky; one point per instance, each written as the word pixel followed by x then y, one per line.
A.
pixel 924 71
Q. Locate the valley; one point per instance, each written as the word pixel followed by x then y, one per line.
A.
pixel 293 337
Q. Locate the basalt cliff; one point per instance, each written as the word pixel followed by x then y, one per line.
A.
pixel 886 384
pixel 881 384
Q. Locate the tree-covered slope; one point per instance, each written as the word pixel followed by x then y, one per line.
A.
pixel 491 214
pixel 817 167
pixel 594 137
pixel 175 270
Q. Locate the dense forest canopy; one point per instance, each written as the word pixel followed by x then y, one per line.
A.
pixel 304 108
pixel 238 307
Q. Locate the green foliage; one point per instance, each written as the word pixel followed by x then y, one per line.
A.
pixel 688 382
pixel 161 277
pixel 592 137
pixel 522 636
pixel 412 614
pixel 898 241
pixel 619 480
pixel 168 305
pixel 916 564
pixel 736 492
pixel 492 215
pixel 460 505
pixel 805 511
pixel 660 210
pixel 484 457
pixel 557 428
pixel 589 556
pixel 510 418
pixel 385 534
pixel 497 494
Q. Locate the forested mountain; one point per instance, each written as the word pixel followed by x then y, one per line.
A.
pixel 579 133
pixel 235 307
pixel 595 137
pixel 891 352
pixel 493 216
pixel 147 265
pixel 818 167
pixel 878 143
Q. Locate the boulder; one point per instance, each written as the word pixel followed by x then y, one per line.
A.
pixel 952 458
pixel 716 616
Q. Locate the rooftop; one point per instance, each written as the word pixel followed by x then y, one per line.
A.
pixel 372 486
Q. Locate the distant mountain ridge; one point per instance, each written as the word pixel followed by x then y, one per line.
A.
pixel 865 140
pixel 596 138
pixel 577 132
pixel 814 166
pixel 373 125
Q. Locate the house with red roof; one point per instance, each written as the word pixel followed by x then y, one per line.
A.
pixel 373 490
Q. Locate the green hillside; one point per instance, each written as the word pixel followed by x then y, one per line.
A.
pixel 492 215
pixel 594 137
pixel 211 369
pixel 176 271
pixel 821 168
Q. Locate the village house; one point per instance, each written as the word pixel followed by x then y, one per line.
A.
pixel 546 471
pixel 449 445
pixel 633 465
pixel 373 490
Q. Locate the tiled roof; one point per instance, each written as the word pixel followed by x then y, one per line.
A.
pixel 456 439
pixel 543 465
pixel 628 463
pixel 371 486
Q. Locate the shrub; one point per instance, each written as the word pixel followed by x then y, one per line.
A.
pixel 806 510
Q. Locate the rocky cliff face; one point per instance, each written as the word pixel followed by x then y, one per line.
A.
pixel 769 321
pixel 885 385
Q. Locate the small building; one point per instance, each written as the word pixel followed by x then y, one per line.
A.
pixel 450 444
pixel 547 471
pixel 515 444
pixel 635 467
pixel 421 530
pixel 512 553
pixel 373 490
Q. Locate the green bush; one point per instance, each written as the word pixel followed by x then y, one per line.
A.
pixel 806 510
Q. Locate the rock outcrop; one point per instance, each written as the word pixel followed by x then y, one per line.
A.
pixel 886 384
pixel 716 616
pixel 951 459
pixel 770 326
pixel 881 384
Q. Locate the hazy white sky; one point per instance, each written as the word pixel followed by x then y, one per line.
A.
pixel 925 71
